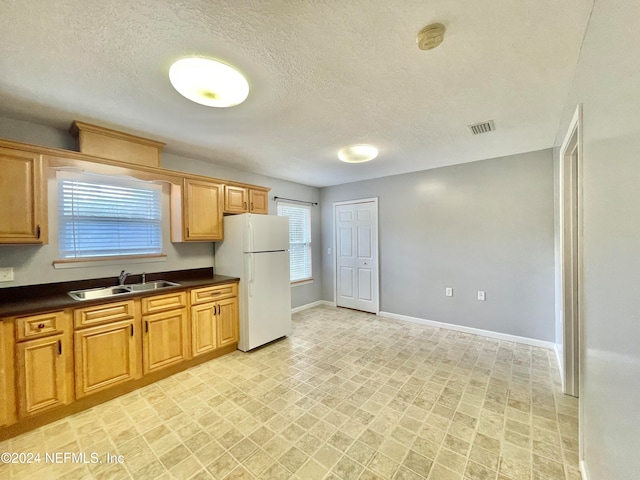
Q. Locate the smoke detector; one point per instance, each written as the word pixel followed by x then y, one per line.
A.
pixel 430 36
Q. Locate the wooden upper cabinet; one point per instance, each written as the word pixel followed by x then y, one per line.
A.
pixel 235 199
pixel 23 216
pixel 259 201
pixel 245 199
pixel 196 212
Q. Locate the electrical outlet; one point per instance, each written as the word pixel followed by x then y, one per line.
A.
pixel 6 274
pixel 329 251
pixel 482 295
pixel 448 292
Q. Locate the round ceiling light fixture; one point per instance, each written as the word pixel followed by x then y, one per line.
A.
pixel 208 82
pixel 358 153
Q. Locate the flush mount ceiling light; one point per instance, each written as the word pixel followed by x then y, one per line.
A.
pixel 358 153
pixel 208 82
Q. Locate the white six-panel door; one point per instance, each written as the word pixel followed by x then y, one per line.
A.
pixel 356 250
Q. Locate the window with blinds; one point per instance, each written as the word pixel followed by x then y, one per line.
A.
pixel 105 216
pixel 299 239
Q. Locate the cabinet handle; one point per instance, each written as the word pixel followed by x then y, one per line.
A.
pixel 213 294
pixel 59 347
pixel 187 231
pixel 218 309
pixel 41 325
pixel 245 205
pixel 132 329
pixel 38 231
pixel 146 327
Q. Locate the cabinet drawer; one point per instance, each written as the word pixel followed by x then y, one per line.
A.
pixel 210 294
pixel 110 312
pixel 160 303
pixel 42 325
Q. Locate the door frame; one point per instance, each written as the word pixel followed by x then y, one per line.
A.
pixel 573 348
pixel 376 253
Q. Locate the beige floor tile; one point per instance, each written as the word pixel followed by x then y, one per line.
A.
pixel 348 394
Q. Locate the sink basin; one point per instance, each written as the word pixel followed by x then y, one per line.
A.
pixel 98 293
pixel 106 292
pixel 143 287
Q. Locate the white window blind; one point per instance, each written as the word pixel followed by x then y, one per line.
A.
pixel 299 239
pixel 105 216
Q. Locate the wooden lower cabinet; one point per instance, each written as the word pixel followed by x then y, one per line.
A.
pixel 165 339
pixel 42 374
pixel 115 344
pixel 203 329
pixel 105 356
pixel 7 382
pixel 227 321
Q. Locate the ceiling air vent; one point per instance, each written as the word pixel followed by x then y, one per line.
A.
pixel 483 127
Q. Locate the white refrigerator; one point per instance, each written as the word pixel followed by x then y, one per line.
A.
pixel 256 249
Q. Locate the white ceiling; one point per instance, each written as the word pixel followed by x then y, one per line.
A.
pixel 323 74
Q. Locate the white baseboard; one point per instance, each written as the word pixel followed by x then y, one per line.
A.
pixel 313 304
pixel 583 470
pixel 476 331
pixel 560 367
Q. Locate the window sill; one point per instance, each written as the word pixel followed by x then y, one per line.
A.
pixel 302 282
pixel 105 261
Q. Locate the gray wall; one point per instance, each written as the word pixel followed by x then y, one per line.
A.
pixel 607 84
pixel 484 225
pixel 33 264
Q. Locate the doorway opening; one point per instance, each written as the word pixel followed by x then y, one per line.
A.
pixel 571 253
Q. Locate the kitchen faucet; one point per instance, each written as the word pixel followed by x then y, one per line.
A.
pixel 123 276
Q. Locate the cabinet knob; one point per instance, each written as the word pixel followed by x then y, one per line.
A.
pixel 41 325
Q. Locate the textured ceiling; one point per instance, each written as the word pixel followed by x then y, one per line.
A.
pixel 323 74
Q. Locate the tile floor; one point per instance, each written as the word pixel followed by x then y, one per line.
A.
pixel 348 396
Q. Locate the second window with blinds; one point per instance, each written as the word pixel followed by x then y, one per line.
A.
pixel 299 240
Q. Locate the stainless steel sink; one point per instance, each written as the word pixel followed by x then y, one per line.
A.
pixel 143 287
pixel 103 292
pixel 106 292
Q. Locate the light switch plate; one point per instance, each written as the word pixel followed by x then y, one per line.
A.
pixel 6 274
pixel 448 292
pixel 482 295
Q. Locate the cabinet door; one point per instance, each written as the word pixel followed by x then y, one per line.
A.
pixel 104 356
pixel 227 321
pixel 165 339
pixel 203 329
pixel 259 202
pixel 23 197
pixel 203 211
pixel 235 199
pixel 41 372
pixel 7 382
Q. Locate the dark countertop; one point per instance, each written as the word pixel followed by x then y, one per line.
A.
pixel 33 299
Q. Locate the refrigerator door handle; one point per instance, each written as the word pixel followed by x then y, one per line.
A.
pixel 250 231
pixel 252 273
